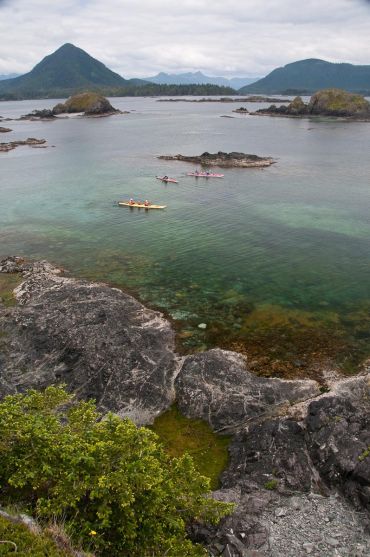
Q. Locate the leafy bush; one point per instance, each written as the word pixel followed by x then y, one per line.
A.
pixel 112 483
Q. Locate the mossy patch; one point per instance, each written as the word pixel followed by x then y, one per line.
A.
pixel 181 435
pixel 9 281
pixel 26 542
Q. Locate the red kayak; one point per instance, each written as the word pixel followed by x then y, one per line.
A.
pixel 167 179
pixel 205 175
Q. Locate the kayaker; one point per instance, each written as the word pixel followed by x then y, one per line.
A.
pixel 132 202
pixel 165 178
pixel 147 203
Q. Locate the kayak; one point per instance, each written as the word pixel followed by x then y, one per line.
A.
pixel 141 205
pixel 205 175
pixel 172 180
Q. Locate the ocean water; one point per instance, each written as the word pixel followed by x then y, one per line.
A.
pixel 275 261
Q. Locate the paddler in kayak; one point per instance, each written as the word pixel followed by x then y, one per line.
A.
pixel 165 178
pixel 147 203
pixel 132 202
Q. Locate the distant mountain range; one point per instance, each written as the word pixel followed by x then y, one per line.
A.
pixel 199 78
pixel 71 70
pixel 308 76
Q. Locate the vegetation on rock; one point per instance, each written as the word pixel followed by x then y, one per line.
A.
pixel 89 102
pixel 113 484
pixel 19 540
pixel 328 102
pixel 337 102
pixel 181 435
pixel 8 282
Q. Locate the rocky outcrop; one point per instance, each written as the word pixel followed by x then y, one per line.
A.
pixel 31 141
pixel 100 342
pixel 328 102
pixel 223 160
pixel 87 104
pixel 44 114
pixel 241 110
pixel 299 468
pixel 5 130
pixel 91 104
pixel 206 389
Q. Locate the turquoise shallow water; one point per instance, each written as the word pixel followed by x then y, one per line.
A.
pixel 262 254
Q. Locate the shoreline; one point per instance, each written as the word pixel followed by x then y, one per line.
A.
pixel 105 345
pixel 259 353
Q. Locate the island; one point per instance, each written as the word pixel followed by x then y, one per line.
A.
pixel 251 99
pixel 223 160
pixel 327 102
pixel 31 141
pixel 241 110
pixel 88 104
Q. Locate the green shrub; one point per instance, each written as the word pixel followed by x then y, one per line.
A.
pixel 112 483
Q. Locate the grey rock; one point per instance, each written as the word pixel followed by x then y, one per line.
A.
pixel 100 342
pixel 331 541
pixel 308 547
pixel 218 387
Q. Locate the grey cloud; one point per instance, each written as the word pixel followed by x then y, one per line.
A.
pixel 141 37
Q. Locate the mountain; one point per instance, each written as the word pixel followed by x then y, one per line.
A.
pixel 307 76
pixel 199 78
pixel 69 69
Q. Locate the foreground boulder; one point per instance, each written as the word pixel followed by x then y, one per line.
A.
pixel 299 468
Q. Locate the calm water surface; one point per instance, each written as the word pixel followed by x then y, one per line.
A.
pixel 274 261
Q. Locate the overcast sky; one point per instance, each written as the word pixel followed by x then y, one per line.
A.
pixel 139 38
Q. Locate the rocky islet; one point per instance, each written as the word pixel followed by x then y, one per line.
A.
pixel 328 102
pixel 223 160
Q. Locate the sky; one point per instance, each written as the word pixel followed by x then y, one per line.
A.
pixel 139 38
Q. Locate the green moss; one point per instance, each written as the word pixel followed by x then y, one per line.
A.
pixel 364 455
pixel 26 542
pixel 9 281
pixel 180 434
pixel 271 484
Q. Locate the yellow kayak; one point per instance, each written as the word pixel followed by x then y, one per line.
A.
pixel 141 205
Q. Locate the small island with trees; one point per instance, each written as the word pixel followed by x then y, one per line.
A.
pixel 328 102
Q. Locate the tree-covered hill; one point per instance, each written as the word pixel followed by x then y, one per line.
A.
pixel 308 76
